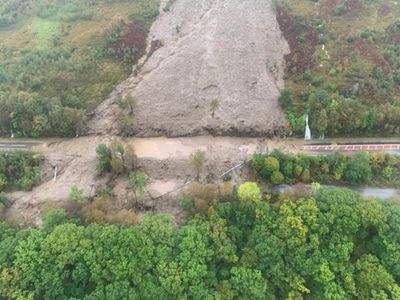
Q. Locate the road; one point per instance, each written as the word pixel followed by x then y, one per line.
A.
pixel 355 147
pixel 21 144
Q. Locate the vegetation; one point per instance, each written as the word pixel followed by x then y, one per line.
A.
pixel 361 168
pixel 117 158
pixel 332 245
pixel 19 170
pixel 57 62
pixel 197 159
pixel 343 69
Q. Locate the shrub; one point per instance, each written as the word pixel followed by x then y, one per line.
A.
pixel 277 177
pixel 104 156
pixel 76 194
pixel 271 165
pixel 53 218
pixel 249 192
pixel 197 162
pixel 187 205
pixel 358 169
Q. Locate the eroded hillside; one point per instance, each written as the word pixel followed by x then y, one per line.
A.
pixel 213 67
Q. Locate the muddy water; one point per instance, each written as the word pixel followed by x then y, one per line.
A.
pixel 371 192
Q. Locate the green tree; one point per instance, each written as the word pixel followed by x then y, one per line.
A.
pixel 358 169
pixel 320 122
pixel 249 192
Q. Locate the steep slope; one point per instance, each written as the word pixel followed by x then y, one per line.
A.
pixel 218 70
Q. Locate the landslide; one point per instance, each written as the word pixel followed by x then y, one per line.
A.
pixel 212 67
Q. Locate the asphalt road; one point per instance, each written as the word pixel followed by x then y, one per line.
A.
pixel 6 145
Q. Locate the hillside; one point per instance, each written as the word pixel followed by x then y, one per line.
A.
pixel 60 59
pixel 213 67
pixel 343 68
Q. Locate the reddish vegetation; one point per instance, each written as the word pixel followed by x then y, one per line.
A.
pixel 134 37
pixel 354 5
pixel 371 52
pixel 300 57
pixel 327 7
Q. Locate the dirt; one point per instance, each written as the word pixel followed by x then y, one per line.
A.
pixel 212 50
pixel 164 160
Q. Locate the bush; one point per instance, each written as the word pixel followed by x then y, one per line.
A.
pixel 355 169
pixel 358 169
pixel 187 205
pixel 249 192
pixel 271 165
pixel 19 170
pixel 277 177
pixel 104 156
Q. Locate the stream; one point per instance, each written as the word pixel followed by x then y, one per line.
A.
pixel 371 192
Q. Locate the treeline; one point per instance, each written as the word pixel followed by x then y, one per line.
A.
pixel 45 92
pixel 333 245
pixel 358 168
pixel 19 170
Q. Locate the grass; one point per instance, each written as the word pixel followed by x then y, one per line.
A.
pixel 43 31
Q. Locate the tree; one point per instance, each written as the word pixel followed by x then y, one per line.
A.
pixel 271 165
pixel 248 284
pixel 249 192
pixel 320 122
pixel 197 162
pixel 104 155
pixel 137 182
pixel 358 169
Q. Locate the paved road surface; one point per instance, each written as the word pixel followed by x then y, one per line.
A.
pixel 365 147
pixel 17 145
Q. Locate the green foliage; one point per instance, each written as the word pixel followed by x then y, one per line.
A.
pixel 187 204
pixel 355 80
pixel 19 170
pixel 335 245
pixel 76 194
pixel 137 182
pixel 53 218
pixel 48 86
pixel 249 192
pixel 360 168
pixel 104 156
pixel 116 158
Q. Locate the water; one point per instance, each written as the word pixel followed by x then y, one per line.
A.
pixel 307 135
pixel 371 192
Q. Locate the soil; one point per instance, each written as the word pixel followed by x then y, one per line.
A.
pixel 211 51
pixel 165 161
